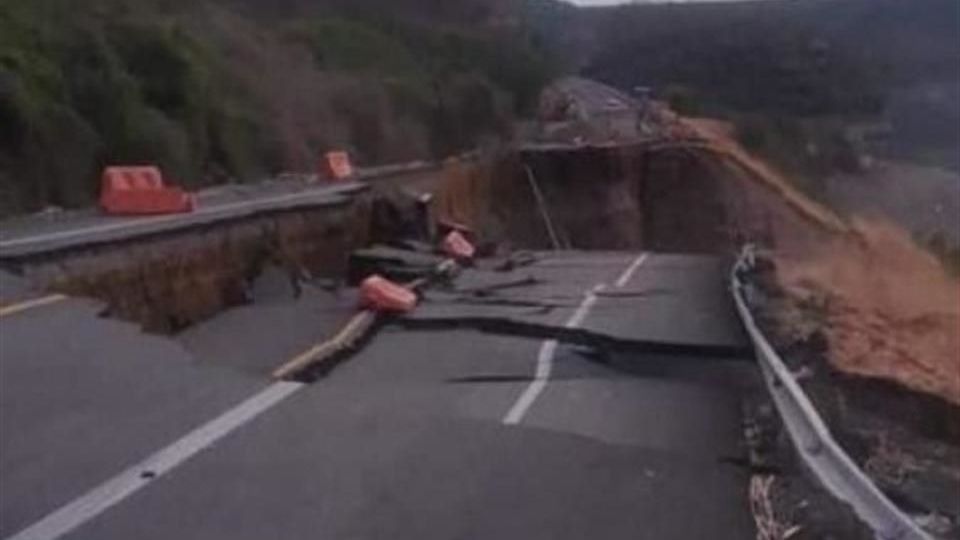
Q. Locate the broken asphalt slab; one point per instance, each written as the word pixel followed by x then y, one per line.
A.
pixel 407 439
pixel 668 303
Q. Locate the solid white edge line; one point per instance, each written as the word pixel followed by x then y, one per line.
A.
pixel 628 273
pixel 30 304
pixel 99 499
pixel 549 348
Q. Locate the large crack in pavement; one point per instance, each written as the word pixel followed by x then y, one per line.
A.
pixel 574 336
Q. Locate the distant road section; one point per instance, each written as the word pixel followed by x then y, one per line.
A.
pixel 595 99
pixel 577 112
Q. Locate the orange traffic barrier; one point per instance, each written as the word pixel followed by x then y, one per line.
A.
pixel 140 190
pixel 456 246
pixel 336 166
pixel 381 294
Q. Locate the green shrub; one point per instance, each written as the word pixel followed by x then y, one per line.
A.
pixel 92 83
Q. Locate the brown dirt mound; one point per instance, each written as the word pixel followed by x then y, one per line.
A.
pixel 890 309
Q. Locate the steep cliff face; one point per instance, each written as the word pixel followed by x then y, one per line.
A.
pixel 686 198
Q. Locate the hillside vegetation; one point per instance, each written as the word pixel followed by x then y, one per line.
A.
pixel 218 91
pixel 811 83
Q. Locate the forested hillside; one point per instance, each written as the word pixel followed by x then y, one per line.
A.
pixel 231 90
pixel 799 77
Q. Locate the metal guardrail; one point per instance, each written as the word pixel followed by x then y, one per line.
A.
pixel 117 229
pixel 831 465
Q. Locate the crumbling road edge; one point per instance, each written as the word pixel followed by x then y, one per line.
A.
pixel 358 328
pixel 831 465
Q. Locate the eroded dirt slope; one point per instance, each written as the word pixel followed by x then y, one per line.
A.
pixel 889 308
pixel 886 306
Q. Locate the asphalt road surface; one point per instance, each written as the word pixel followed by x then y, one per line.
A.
pixel 593 98
pixel 578 396
pixel 44 232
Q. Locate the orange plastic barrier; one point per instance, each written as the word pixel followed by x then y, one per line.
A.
pixel 336 166
pixel 456 246
pixel 140 190
pixel 382 294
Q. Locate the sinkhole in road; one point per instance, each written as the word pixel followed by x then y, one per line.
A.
pixel 632 198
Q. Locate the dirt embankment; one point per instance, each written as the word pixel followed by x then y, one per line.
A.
pixel 886 306
pixel 889 308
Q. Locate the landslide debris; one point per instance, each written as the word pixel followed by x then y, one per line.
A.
pixel 869 322
pixel 888 309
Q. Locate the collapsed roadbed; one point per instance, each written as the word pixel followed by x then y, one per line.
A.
pixel 242 293
pixel 438 407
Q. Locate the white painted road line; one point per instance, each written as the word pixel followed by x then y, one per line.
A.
pixel 628 273
pixel 545 361
pixel 30 304
pixel 526 399
pixel 549 348
pixel 128 482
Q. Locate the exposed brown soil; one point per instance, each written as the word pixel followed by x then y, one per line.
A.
pixel 718 140
pixel 167 283
pixel 890 310
pixel 906 440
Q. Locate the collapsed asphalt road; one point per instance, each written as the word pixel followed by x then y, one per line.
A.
pixel 466 419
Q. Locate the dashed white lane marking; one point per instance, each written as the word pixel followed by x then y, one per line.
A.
pixel 549 348
pixel 628 273
pixel 99 499
pixel 526 399
pixel 545 362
